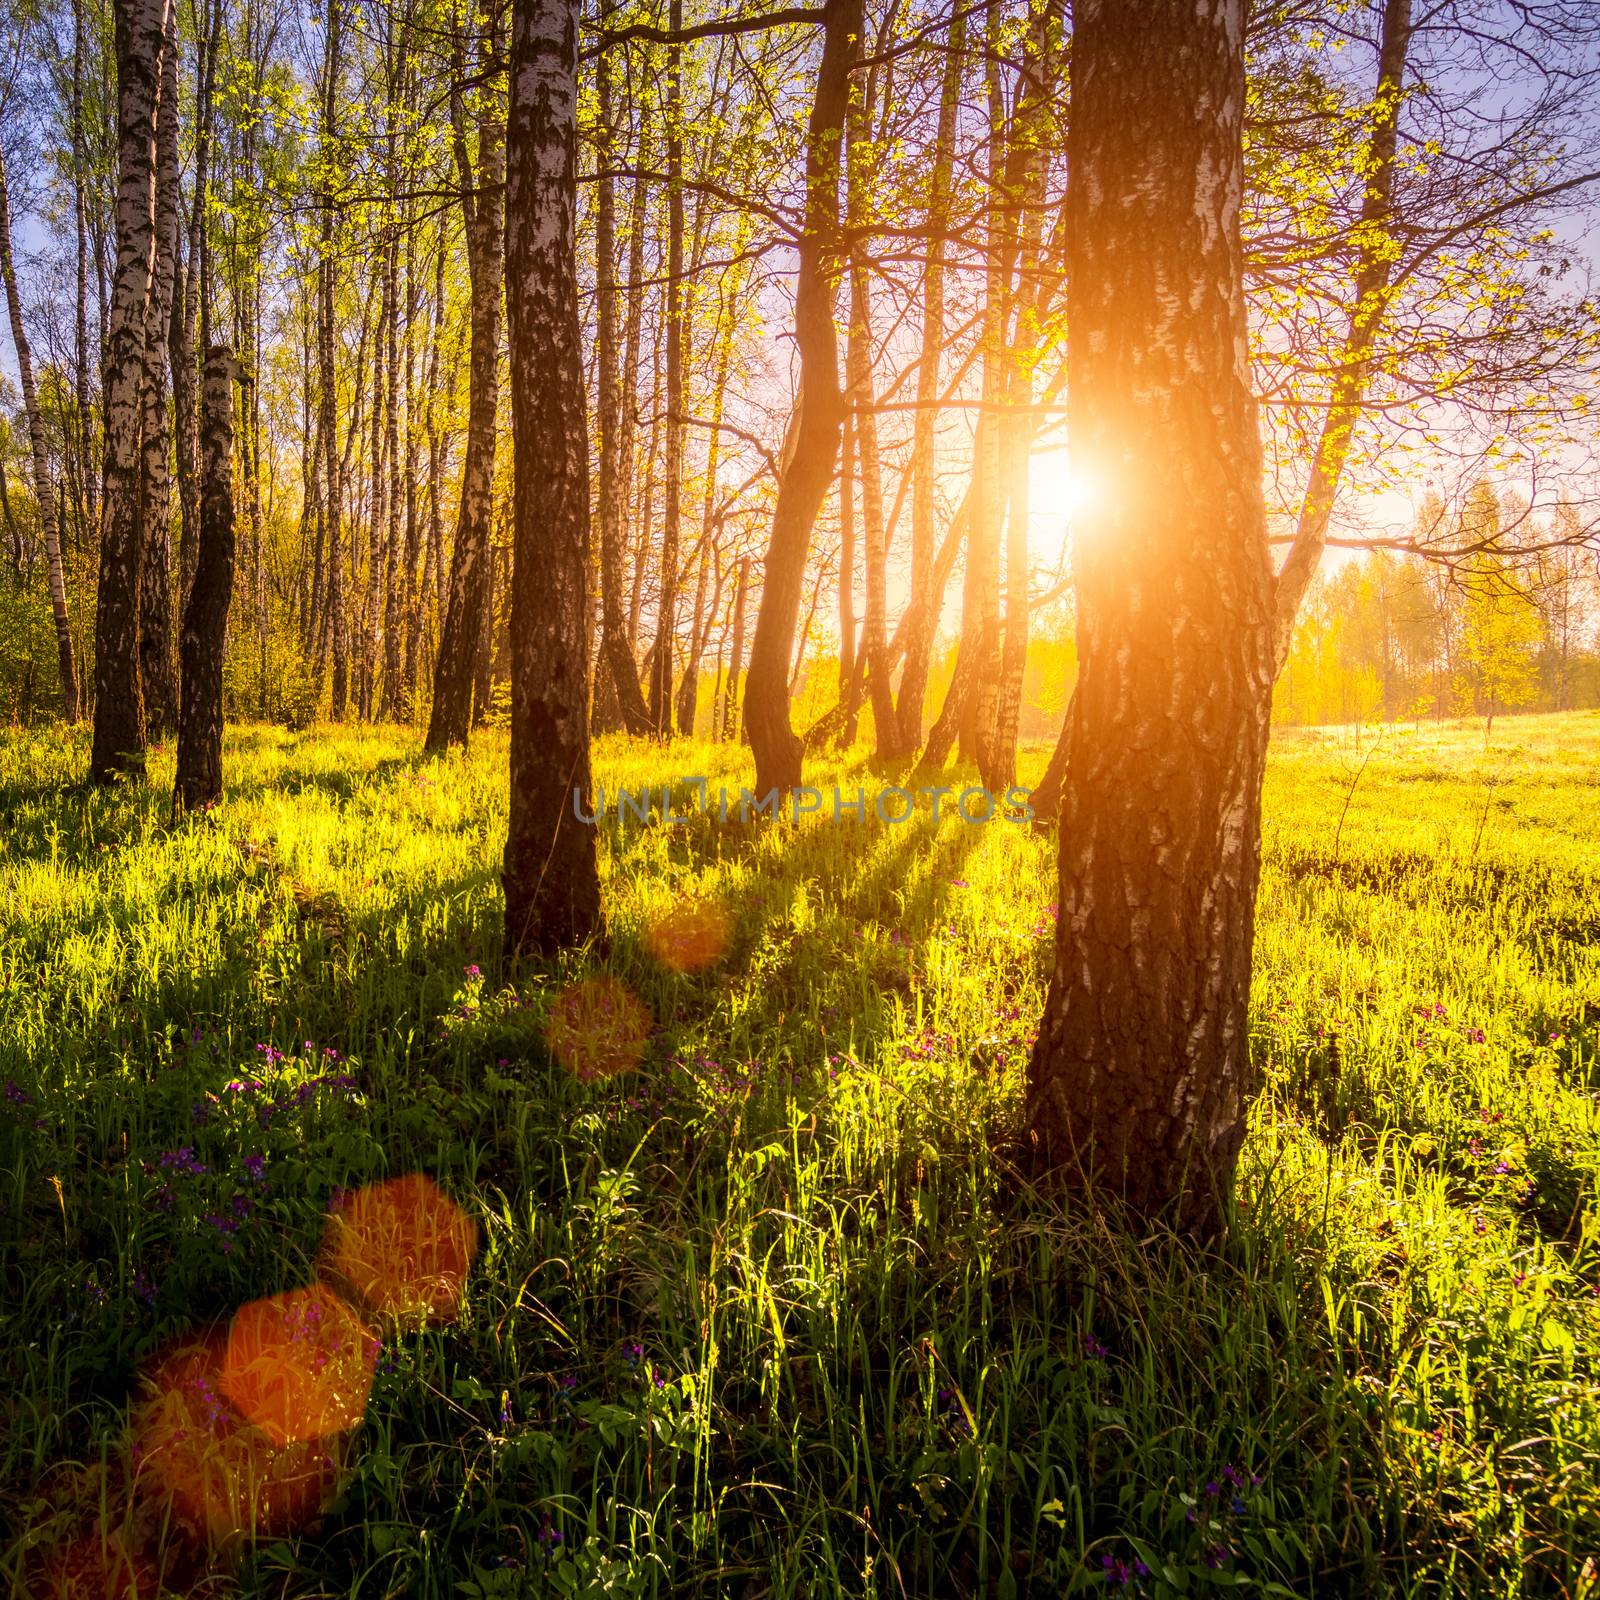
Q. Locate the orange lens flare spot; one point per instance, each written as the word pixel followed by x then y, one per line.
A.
pixel 93 1567
pixel 689 937
pixel 220 1478
pixel 403 1249
pixel 299 1365
pixel 598 1028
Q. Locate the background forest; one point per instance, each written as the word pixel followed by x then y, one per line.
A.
pixel 333 175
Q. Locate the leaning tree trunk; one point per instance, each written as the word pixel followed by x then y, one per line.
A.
pixel 1141 1072
pixel 1371 290
pixel 119 731
pixel 552 882
pixel 467 604
pixel 43 489
pixel 205 616
pixel 157 679
pixel 819 415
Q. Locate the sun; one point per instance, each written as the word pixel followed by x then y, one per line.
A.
pixel 1061 489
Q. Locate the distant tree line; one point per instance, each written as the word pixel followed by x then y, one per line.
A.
pixel 1392 636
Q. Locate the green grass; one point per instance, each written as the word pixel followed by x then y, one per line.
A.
pixel 873 1363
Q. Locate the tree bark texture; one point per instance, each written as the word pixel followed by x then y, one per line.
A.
pixel 157 675
pixel 119 728
pixel 1141 1072
pixel 819 414
pixel 205 615
pixel 552 883
pixel 467 605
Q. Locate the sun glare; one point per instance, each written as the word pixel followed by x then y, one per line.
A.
pixel 1060 488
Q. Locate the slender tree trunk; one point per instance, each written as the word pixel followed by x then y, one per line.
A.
pixel 666 615
pixel 43 490
pixel 328 377
pixel 922 606
pixel 80 183
pixel 1369 304
pixel 393 652
pixel 409 625
pixel 552 883
pixel 874 640
pixel 157 673
pixel 191 292
pixel 627 430
pixel 1025 199
pixel 612 474
pixel 848 689
pixel 819 413
pixel 980 595
pixel 1141 1071
pixel 731 719
pixel 467 605
pixel 205 616
pixel 119 731
pixel 689 689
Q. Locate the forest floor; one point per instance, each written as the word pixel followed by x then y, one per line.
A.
pixel 773 1314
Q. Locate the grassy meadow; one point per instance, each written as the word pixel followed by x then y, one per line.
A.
pixel 775 1314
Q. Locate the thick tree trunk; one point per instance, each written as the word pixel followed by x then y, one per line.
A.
pixel 157 674
pixel 43 489
pixel 119 731
pixel 819 413
pixel 205 616
pixel 552 883
pixel 1141 1072
pixel 467 604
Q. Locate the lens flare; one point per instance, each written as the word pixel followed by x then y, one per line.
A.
pixel 689 937
pixel 598 1028
pixel 299 1365
pixel 401 1249
pixel 200 1463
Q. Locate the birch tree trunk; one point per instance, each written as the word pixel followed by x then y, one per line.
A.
pixel 119 731
pixel 661 675
pixel 922 608
pixel 467 603
pixel 613 467
pixel 157 675
pixel 552 884
pixel 1141 1072
pixel 43 489
pixel 328 377
pixel 819 413
pixel 205 615
pixel 80 205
